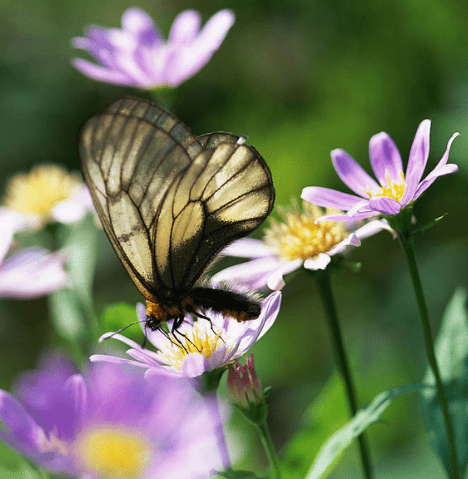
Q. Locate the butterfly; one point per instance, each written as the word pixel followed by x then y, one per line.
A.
pixel 170 201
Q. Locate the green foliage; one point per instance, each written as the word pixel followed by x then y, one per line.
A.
pixel 118 316
pixel 452 357
pixel 327 413
pixel 13 466
pixel 333 449
pixel 80 241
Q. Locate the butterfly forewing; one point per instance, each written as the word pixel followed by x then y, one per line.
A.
pixel 169 201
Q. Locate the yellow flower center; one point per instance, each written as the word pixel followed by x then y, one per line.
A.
pixel 392 190
pixel 298 237
pixel 39 191
pixel 201 341
pixel 113 452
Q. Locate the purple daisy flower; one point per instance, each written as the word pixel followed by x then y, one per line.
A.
pixel 394 191
pixel 299 240
pixel 110 423
pixel 31 272
pixel 199 346
pixel 137 55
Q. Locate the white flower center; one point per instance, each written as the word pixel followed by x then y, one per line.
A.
pixel 41 190
pixel 299 237
pixel 198 339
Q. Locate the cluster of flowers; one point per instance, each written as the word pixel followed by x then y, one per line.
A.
pixel 112 420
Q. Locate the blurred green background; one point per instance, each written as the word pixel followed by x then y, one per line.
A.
pixel 300 78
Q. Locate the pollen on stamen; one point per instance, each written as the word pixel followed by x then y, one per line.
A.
pixel 200 340
pixel 299 237
pixel 112 452
pixel 391 190
pixel 41 190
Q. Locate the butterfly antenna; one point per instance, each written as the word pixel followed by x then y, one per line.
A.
pixel 143 345
pixel 124 328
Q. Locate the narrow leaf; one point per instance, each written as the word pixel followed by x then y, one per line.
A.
pixel 333 449
pixel 452 357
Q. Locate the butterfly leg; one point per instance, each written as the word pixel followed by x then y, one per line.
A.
pixel 199 315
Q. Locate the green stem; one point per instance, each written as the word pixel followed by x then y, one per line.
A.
pixel 269 449
pixel 408 246
pixel 324 286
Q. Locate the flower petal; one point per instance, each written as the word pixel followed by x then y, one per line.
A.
pixel 320 261
pixel 194 365
pixel 247 248
pixel 105 358
pixel 385 159
pixel 418 156
pixel 23 430
pixel 361 215
pixel 385 206
pixel 140 24
pixel 186 60
pixel 185 27
pixel 76 393
pixel 252 274
pixel 275 281
pixel 103 74
pixel 441 169
pixel 329 198
pixel 371 228
pixel 32 273
pixel 352 174
pixel 270 310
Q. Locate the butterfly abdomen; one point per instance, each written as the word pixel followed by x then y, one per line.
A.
pixel 229 303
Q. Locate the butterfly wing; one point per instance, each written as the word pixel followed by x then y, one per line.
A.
pixel 169 201
pixel 131 153
pixel 225 194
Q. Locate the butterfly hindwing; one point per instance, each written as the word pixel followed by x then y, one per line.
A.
pixel 169 201
pixel 223 195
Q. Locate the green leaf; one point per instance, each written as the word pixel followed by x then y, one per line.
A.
pixel 421 229
pixel 452 357
pixel 67 315
pixel 80 239
pixel 333 449
pixel 25 471
pixel 118 316
pixel 327 413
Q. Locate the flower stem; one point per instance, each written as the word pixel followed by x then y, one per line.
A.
pixel 324 286
pixel 407 243
pixel 269 449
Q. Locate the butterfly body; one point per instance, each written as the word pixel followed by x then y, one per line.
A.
pixel 170 201
pixel 228 303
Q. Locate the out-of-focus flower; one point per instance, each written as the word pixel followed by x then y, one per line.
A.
pixel 394 191
pixel 48 193
pixel 109 423
pixel 137 55
pixel 31 272
pixel 197 346
pixel 246 391
pixel 299 240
